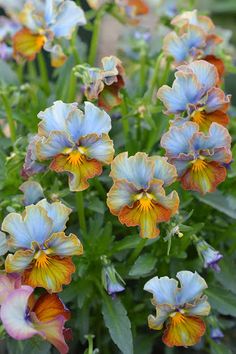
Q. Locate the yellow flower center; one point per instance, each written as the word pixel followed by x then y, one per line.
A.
pixel 42 260
pixel 75 158
pixel 145 201
pixel 177 318
pixel 199 165
pixel 199 117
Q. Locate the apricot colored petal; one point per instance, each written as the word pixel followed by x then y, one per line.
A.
pixel 18 261
pixel 98 148
pixel 217 62
pixel 27 44
pixel 121 194
pixel 206 180
pixel 185 333
pixel 55 273
pixel 61 245
pixel 78 175
pixel 48 307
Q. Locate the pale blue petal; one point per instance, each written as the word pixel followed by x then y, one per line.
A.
pixel 217 100
pixel 3 244
pixel 164 290
pixel 217 137
pixel 75 124
pixel 174 46
pixel 55 144
pixel 202 308
pixel 54 117
pixel 177 139
pixel 192 286
pixel 70 15
pixel 98 148
pixel 58 213
pixel 15 226
pixel 164 170
pixel 120 195
pixel 33 192
pixel 162 314
pixel 137 169
pixel 96 120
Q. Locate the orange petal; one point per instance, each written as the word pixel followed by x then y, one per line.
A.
pixel 80 171
pixel 183 331
pixel 50 274
pixel 204 119
pixel 204 179
pixel 110 97
pixel 48 307
pixel 141 7
pixel 145 217
pixel 219 64
pixel 27 44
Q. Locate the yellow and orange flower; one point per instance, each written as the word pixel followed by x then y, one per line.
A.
pixel 42 250
pixel 76 143
pixel 200 159
pixel 180 310
pixel 137 196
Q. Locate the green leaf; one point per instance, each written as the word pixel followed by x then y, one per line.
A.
pixel 219 348
pixel 34 345
pixel 222 300
pixel 118 323
pixel 143 265
pixel 224 203
pixel 7 75
pixel 226 277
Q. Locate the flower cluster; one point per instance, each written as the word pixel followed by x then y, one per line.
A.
pixel 194 37
pixel 138 196
pixel 103 84
pixel 180 310
pixel 42 25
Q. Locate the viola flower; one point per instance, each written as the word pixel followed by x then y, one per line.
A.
pixel 216 334
pixel 138 196
pixel 111 279
pixel 195 97
pixel 179 309
pixel 210 256
pixel 42 249
pixel 33 192
pixel 43 24
pixel 23 316
pixel 76 143
pixel 194 37
pixel 7 29
pixel 199 158
pixel 103 84
pixel 31 165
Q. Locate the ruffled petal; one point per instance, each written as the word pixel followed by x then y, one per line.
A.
pixel 98 148
pixel 164 290
pixel 97 121
pixel 162 314
pixel 183 331
pixel 177 139
pixel 204 119
pixel 137 169
pixel 122 193
pixel 192 286
pixel 185 90
pixel 164 170
pixel 201 308
pixel 48 307
pixel 70 15
pixel 19 261
pixel 174 46
pixel 27 44
pixel 78 173
pixel 3 244
pixel 61 245
pixel 205 73
pixel 54 117
pixel 8 283
pixel 56 143
pixel 50 274
pixel 13 314
pixel 58 212
pixel 217 137
pixel 217 100
pixel 33 192
pixel 205 179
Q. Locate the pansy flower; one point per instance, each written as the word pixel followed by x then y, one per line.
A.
pixel 76 143
pixel 24 316
pixel 194 38
pixel 7 29
pixel 42 249
pixel 44 23
pixel 138 196
pixel 194 96
pixel 199 158
pixel 103 84
pixel 179 309
pixel 210 255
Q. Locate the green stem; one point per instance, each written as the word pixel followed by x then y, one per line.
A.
pixel 124 119
pixel 136 252
pixel 43 73
pixel 72 87
pixel 80 211
pixel 165 75
pixel 143 69
pixel 74 49
pixel 10 118
pixel 20 70
pixel 95 37
pixel 32 71
pixel 154 80
pixel 90 338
